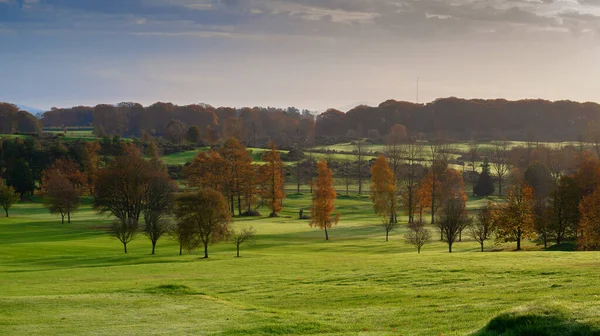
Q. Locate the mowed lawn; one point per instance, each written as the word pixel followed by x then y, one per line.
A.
pixel 70 279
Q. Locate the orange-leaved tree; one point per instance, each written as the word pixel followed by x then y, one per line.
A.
pixel 206 171
pixel 323 203
pixel 515 220
pixel 272 179
pixel 383 193
pixel 91 163
pixel 589 225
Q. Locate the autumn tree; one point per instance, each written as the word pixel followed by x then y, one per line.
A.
pixel 204 215
pixel 63 185
pixel 383 193
pixel 323 203
pixel 515 219
pixel 121 191
pixel 273 179
pixel 152 151
pixel 8 196
pixel 91 163
pixel 482 228
pixel 417 235
pixel 159 201
pixel 206 171
pixel 242 236
pixel 453 219
pixel 237 165
pixel 589 225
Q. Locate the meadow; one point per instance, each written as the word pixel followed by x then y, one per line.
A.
pixel 59 279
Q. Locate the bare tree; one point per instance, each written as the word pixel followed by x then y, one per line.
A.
pixel 438 156
pixel 245 235
pixel 359 155
pixel 417 235
pixel 473 158
pixel 410 176
pixel 160 199
pixel 500 162
pixel 453 220
pixel 483 227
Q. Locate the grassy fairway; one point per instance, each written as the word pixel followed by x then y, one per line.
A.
pixel 73 279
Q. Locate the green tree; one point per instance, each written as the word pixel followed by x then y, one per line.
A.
pixel 20 177
pixel 8 196
pixel 485 183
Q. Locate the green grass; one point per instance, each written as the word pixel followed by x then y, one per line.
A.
pixel 188 156
pixel 73 279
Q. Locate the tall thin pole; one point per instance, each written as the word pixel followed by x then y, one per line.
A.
pixel 417 90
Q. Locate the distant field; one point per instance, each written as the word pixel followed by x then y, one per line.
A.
pixel 60 279
pixel 188 156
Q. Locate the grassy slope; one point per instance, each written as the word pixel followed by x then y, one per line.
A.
pixel 73 279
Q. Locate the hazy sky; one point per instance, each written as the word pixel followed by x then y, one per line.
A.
pixel 305 53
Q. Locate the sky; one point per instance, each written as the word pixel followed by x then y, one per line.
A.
pixel 313 54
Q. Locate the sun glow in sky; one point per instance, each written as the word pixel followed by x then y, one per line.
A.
pixel 310 54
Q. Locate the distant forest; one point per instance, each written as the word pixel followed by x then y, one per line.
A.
pixel 454 118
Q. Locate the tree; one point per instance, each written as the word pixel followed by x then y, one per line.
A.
pixel 542 225
pixel 20 177
pixel 193 135
pixel 273 179
pixel 483 227
pixel 152 151
pixel 538 177
pixel 8 196
pixel 205 216
pixel 500 162
pixel 237 165
pixel 121 190
pixel 359 155
pixel 159 201
pixel 589 225
pixel 175 131
pixel 323 203
pixel 452 221
pixel 472 157
pixel 438 155
pixel 60 195
pixel 410 178
pixel 245 235
pixel 383 193
pixel 564 210
pixel 91 163
pixel 206 171
pixel 485 183
pixel 417 235
pixel 515 220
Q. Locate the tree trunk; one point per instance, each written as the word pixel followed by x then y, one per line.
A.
pixel 238 250
pixel 231 201
pixel 239 205
pixel 326 234
pixel 419 250
pixel 206 250
pixel 481 247
pixel 63 218
pixel 387 233
pixel 125 247
pixel 69 217
pixel 6 210
pixel 460 236
pixel 180 249
pixel 153 246
pixel 499 186
pixel 449 248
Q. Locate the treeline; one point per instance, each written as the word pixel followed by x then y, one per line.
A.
pixel 539 120
pixel 13 120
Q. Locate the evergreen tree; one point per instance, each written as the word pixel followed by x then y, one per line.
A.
pixel 485 183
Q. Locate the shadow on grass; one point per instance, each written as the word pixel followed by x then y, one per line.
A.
pixel 562 247
pixel 538 321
